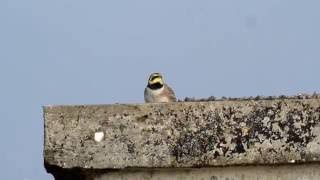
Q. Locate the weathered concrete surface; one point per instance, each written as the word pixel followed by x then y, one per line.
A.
pixel 193 134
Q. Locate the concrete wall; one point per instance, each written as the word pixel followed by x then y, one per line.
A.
pixel 159 141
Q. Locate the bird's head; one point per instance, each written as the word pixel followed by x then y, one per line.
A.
pixel 155 78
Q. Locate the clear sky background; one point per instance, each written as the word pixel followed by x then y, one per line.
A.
pixel 89 52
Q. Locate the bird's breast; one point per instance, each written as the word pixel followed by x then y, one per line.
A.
pixel 155 95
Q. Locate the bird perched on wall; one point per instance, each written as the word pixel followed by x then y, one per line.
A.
pixel 157 90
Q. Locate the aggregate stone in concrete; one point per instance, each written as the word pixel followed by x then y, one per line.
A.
pixel 183 134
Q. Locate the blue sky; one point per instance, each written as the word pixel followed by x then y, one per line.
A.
pixel 101 52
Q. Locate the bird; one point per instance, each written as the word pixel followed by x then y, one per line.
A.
pixel 157 91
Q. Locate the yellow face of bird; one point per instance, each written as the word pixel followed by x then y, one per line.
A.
pixel 155 78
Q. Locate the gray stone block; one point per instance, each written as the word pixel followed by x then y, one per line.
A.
pixel 181 135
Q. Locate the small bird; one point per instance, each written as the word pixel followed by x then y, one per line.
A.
pixel 157 90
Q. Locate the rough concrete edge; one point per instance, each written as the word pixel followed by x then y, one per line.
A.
pixel 45 108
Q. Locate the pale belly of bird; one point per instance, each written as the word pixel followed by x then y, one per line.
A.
pixel 161 99
pixel 155 96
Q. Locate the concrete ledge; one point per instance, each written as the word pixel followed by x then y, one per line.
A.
pixel 183 135
pixel 284 172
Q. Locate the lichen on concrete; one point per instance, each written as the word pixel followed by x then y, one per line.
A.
pixel 183 134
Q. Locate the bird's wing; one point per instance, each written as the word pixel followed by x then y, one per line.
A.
pixel 146 97
pixel 170 93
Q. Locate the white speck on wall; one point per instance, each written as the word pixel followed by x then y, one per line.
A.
pixel 98 136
